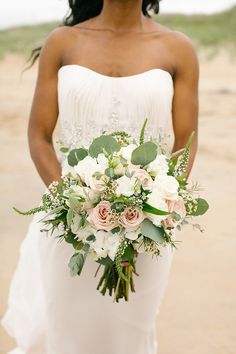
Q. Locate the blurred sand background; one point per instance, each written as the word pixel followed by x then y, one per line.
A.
pixel 198 314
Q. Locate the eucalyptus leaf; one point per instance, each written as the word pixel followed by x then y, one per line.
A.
pixel 91 238
pixel 70 237
pixel 86 247
pixel 76 155
pixel 105 261
pixel 144 154
pixel 115 230
pixel 202 207
pixel 148 229
pixel 76 264
pixel 64 149
pixel 69 217
pixel 104 142
pixel 109 172
pixel 74 203
pixel 175 216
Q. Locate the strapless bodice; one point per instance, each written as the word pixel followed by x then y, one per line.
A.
pixel 90 102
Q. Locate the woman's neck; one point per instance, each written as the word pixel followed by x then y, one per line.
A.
pixel 122 15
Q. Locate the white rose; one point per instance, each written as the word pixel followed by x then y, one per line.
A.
pixel 91 196
pixel 80 191
pixel 126 151
pixel 81 233
pixel 157 201
pixel 167 187
pixel 159 166
pixel 87 167
pixel 105 244
pixel 98 185
pixel 102 161
pixel 132 235
pixel 112 243
pixel 125 186
pixel 66 169
pixel 119 169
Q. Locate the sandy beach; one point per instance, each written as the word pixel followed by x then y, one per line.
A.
pixel 198 314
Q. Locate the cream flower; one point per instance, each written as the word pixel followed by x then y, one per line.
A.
pixel 159 166
pixel 126 151
pixel 105 244
pixel 167 187
pixel 142 175
pixel 157 201
pixel 125 186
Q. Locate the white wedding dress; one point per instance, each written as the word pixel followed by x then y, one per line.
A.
pixel 50 312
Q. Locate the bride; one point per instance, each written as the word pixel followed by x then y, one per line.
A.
pixel 107 68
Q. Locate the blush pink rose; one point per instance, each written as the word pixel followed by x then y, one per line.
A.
pixel 143 177
pixel 131 218
pixel 101 217
pixel 178 207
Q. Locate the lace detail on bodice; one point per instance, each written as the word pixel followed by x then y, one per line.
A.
pixel 91 103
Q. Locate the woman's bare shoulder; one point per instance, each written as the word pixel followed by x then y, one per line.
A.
pixel 57 42
pixel 59 35
pixel 181 47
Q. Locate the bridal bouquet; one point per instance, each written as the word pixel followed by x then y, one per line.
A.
pixel 116 199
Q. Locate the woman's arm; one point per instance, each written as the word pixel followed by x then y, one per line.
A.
pixel 44 110
pixel 185 101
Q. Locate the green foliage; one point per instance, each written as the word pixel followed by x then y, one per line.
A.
pixel 206 30
pixel 144 154
pixel 183 160
pixel 29 212
pixel 128 254
pixel 104 143
pixel 117 206
pixel 150 209
pixel 69 217
pixel 142 134
pixel 109 172
pixel 21 40
pixel 118 259
pixel 76 264
pixel 76 155
pixel 105 261
pixel 202 207
pixel 148 229
pixel 214 30
pixel 75 204
pixel 91 238
pixel 64 149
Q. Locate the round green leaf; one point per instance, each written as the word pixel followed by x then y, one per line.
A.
pixel 76 264
pixel 144 154
pixel 76 155
pixel 148 229
pixel 104 142
pixel 202 207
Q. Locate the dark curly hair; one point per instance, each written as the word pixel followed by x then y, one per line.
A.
pixel 82 10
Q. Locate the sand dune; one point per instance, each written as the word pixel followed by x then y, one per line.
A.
pixel 198 315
